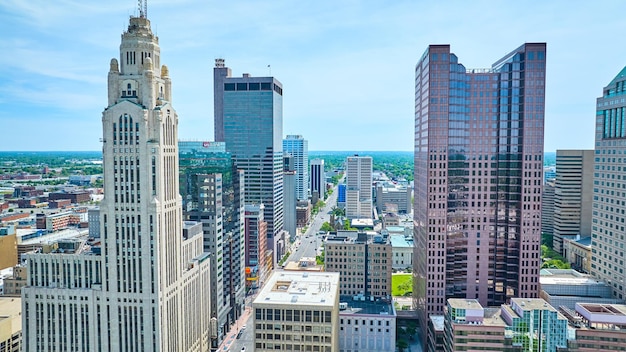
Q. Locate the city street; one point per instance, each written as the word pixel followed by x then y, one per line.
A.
pixel 306 245
pixel 310 242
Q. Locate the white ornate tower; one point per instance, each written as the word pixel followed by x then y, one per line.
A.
pixel 149 289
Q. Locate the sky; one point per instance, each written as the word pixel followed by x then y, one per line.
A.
pixel 347 67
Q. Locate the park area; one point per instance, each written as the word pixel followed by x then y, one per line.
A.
pixel 401 284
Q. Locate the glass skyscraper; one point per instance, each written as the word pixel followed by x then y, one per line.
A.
pixel 211 189
pixel 478 178
pixel 252 126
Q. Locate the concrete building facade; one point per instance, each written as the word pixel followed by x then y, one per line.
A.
pixel 359 195
pixel 478 178
pixel 573 196
pixel 393 197
pixel 607 231
pixel 146 284
pixel 364 262
pixel 10 324
pixel 290 202
pixel 297 311
pixel 298 147
pixel 547 208
pixel 366 326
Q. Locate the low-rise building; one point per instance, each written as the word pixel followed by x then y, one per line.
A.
pixel 366 325
pixel 566 287
pixel 524 324
pixel 297 311
pixel 13 284
pixel 303 213
pixel 76 196
pixel 577 252
pixel 402 251
pixel 601 327
pixel 305 264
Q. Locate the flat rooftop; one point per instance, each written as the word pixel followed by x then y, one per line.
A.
pixel 597 313
pixel 51 237
pixel 437 321
pixel 531 304
pixel 566 277
pixel 11 308
pixel 302 288
pixel 400 241
pixel 464 303
pixel 366 306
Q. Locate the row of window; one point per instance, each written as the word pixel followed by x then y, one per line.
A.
pixel 252 86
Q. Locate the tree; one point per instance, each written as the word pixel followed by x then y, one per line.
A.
pixel 402 344
pixel 338 211
pixel 326 227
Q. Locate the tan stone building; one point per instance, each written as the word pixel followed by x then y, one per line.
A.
pixel 8 250
pixel 13 285
pixel 297 311
pixel 10 324
pixel 364 262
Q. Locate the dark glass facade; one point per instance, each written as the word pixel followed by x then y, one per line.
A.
pixel 478 177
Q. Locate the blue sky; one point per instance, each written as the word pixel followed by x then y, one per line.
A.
pixel 346 66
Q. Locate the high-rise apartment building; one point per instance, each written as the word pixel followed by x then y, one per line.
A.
pixel 359 197
pixel 212 192
pixel 364 262
pixel 298 147
pixel 478 178
pixel 607 232
pixel 573 196
pixel 251 120
pixel 146 285
pixel 318 180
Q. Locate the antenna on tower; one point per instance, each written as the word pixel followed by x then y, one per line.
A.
pixel 142 5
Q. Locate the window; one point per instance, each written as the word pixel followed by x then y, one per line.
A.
pixel 229 86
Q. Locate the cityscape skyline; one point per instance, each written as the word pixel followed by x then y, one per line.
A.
pixel 54 83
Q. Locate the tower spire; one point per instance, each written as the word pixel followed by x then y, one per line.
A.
pixel 142 5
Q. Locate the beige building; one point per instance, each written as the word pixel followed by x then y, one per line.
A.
pixel 13 284
pixel 8 250
pixel 146 285
pixel 297 311
pixel 364 262
pixel 573 196
pixel 10 324
pixel 577 252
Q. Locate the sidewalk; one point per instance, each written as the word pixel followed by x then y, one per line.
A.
pixel 232 334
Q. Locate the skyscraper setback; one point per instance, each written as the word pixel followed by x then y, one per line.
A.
pixel 607 231
pixel 145 285
pixel 478 177
pixel 250 118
